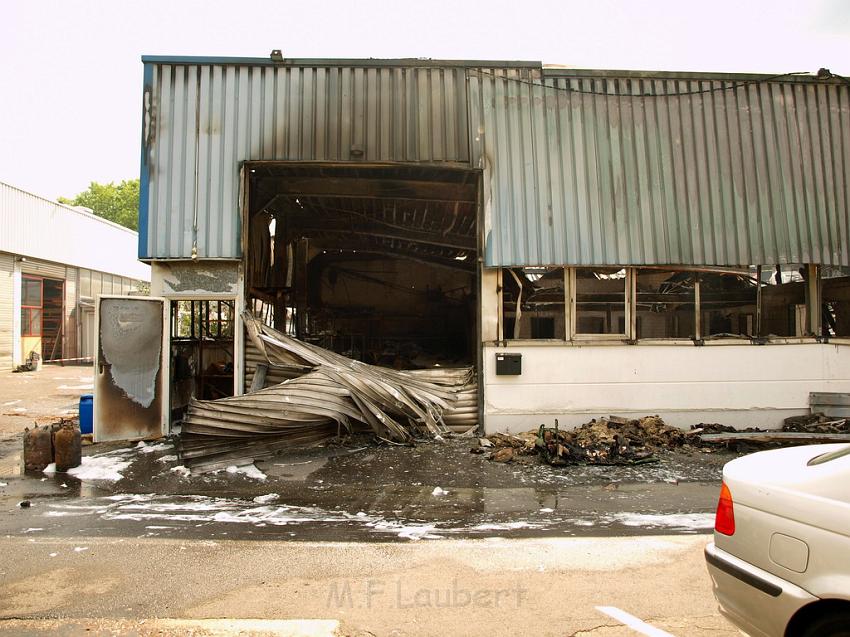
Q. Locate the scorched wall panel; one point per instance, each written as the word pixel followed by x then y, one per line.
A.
pixel 615 168
pixel 202 120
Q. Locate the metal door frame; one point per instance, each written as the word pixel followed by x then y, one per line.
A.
pixel 165 359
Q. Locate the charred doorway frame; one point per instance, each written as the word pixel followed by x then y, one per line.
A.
pixel 238 340
pixel 244 212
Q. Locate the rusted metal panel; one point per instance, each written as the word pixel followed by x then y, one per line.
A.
pixel 131 370
pixel 202 120
pixel 612 168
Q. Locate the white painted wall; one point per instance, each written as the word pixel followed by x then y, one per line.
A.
pixel 740 385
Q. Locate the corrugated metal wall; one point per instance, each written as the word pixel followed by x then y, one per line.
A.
pixel 581 167
pixel 91 284
pixel 757 174
pixel 69 337
pixel 45 269
pixel 201 121
pixel 7 305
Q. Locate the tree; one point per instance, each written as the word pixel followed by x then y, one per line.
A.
pixel 115 202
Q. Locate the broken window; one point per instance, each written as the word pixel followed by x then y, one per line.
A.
pixel 664 304
pixel 783 300
pixel 728 303
pixel 600 301
pixel 533 303
pixel 201 351
pixel 835 305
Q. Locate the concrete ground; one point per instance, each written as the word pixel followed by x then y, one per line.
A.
pixel 356 492
pixel 554 586
pixel 42 396
pixel 349 539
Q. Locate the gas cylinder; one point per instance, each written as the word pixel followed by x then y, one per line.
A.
pixel 38 449
pixel 68 449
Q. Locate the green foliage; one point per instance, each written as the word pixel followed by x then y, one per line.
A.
pixel 115 202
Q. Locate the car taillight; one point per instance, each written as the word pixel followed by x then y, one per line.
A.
pixel 724 521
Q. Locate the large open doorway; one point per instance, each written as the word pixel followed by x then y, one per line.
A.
pixel 376 262
pixel 202 345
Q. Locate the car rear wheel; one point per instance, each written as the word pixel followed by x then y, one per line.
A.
pixel 836 624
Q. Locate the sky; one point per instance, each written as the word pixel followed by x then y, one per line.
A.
pixel 71 74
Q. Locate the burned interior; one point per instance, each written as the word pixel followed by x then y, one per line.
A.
pixel 361 293
pixel 374 262
pixel 685 303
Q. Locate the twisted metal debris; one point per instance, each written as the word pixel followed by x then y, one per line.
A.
pixel 329 395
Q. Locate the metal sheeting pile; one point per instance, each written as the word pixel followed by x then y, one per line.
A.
pixel 331 394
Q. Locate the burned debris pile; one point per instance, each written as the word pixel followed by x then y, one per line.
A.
pixel 606 442
pixel 622 441
pixel 601 442
pixel 328 395
pixel 817 423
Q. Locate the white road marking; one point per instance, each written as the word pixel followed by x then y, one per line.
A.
pixel 633 622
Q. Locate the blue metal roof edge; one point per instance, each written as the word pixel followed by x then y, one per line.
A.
pixel 144 170
pixel 267 61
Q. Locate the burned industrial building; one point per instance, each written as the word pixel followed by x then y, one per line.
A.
pixel 584 242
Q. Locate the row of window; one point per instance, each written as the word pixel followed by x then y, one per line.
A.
pixel 666 303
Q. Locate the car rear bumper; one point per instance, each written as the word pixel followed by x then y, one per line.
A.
pixel 756 601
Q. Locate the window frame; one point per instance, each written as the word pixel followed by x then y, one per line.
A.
pixel 29 308
pixel 628 300
pixel 813 300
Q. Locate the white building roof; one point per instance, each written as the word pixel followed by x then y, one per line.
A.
pixel 37 227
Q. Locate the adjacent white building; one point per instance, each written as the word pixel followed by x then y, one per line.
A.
pixel 54 262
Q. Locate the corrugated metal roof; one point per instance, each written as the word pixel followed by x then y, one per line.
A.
pixel 331 62
pixel 204 120
pixel 36 227
pixel 641 170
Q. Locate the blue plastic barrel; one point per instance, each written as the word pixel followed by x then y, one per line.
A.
pixel 86 409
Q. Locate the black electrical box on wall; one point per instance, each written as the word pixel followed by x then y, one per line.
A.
pixel 508 364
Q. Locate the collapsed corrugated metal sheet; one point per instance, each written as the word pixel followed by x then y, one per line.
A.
pixel 613 168
pixel 202 120
pixel 332 394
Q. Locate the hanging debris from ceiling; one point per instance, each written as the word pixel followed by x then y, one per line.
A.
pixel 330 395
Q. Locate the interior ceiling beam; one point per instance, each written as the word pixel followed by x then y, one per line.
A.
pixel 332 226
pixel 354 188
pixel 362 230
pixel 467 265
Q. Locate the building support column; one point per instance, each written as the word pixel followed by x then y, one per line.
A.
pixel 17 356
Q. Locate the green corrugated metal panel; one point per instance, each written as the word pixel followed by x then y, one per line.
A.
pixel 205 119
pixel 617 170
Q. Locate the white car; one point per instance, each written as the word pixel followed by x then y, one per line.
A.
pixel 780 560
